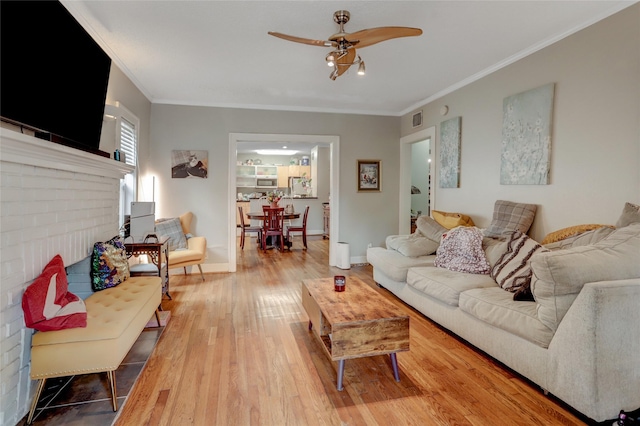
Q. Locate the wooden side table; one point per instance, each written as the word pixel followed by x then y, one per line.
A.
pixel 157 249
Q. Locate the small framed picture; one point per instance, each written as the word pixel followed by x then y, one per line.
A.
pixel 369 175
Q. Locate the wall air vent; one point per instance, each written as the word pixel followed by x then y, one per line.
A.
pixel 417 119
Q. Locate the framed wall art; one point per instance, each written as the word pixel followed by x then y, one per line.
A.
pixel 369 175
pixel 450 141
pixel 189 163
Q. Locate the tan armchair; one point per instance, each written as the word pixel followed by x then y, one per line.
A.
pixel 196 251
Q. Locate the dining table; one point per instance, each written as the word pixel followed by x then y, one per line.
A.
pixel 287 216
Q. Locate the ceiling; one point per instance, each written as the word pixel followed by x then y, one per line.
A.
pixel 218 53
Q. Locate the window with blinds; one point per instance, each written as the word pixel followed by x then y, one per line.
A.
pixel 128 141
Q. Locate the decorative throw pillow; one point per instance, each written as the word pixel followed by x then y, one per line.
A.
pixel 430 228
pixel 109 264
pixel 512 272
pixel 413 245
pixel 173 229
pixel 48 305
pixel 564 233
pixel 508 217
pixel 630 214
pixel 461 250
pixel 451 220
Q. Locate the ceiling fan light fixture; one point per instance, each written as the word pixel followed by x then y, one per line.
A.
pixel 330 59
pixel 344 44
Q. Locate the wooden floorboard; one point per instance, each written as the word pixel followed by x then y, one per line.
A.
pixel 238 351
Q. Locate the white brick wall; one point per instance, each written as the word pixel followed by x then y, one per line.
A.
pixel 53 200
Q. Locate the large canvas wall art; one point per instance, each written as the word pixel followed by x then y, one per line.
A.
pixel 450 141
pixel 526 137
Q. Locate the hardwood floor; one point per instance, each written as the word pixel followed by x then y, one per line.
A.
pixel 237 351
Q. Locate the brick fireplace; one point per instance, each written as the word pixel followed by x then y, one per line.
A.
pixel 53 200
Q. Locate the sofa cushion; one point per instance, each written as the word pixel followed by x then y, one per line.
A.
pixel 583 239
pixel 172 228
pixel 461 250
pixel 48 305
pixel 451 220
pixel 446 285
pixel 513 271
pixel 430 228
pixel 497 307
pixel 508 217
pixel 558 276
pixel 186 255
pixel 412 245
pixel 393 264
pixel 570 231
pixel 630 214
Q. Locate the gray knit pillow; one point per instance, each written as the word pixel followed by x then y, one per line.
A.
pixel 509 217
pixel 172 229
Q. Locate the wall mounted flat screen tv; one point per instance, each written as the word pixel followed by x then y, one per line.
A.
pixel 54 76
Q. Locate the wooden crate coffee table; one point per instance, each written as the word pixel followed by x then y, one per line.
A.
pixel 355 323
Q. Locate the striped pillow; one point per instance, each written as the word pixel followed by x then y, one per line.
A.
pixel 512 271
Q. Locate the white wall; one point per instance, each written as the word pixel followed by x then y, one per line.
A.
pixel 207 128
pixel 55 200
pixel 595 149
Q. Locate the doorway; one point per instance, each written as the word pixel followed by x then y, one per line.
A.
pixel 429 136
pixel 334 149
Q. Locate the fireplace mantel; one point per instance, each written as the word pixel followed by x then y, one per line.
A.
pixel 20 148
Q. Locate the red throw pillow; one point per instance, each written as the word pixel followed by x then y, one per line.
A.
pixel 48 305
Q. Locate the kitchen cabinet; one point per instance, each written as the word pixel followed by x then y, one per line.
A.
pixel 284 172
pixel 298 171
pixel 247 176
pixel 245 209
pixel 266 171
pixel 283 176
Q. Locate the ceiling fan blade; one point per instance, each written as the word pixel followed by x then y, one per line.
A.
pixel 345 61
pixel 364 38
pixel 321 43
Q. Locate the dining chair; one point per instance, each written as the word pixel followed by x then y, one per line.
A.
pixel 248 229
pixel 302 228
pixel 272 225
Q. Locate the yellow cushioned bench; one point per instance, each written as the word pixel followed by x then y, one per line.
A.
pixel 115 318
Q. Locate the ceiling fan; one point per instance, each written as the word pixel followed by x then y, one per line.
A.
pixel 344 44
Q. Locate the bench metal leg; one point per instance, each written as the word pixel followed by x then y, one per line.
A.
pixel 112 383
pixel 35 400
pixel 158 318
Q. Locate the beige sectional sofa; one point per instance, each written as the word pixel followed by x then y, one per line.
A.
pixel 579 340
